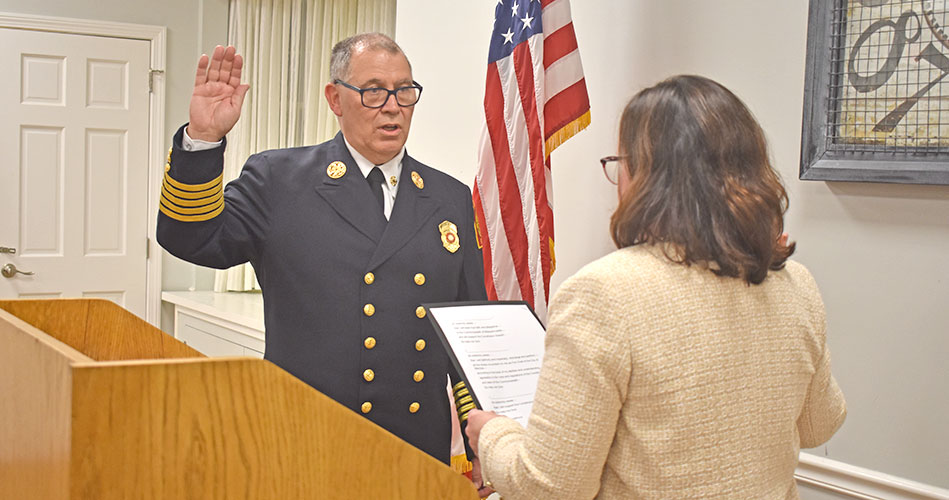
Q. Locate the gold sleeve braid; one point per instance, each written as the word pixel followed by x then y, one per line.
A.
pixel 463 401
pixel 192 202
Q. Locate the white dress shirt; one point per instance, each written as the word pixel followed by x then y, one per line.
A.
pixel 391 169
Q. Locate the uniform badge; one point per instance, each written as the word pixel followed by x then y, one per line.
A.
pixel 417 179
pixel 449 236
pixel 336 170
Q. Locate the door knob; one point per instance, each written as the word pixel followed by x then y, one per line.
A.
pixel 10 271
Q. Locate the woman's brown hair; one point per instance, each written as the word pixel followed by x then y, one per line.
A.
pixel 699 178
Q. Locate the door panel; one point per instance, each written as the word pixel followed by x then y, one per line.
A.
pixel 73 176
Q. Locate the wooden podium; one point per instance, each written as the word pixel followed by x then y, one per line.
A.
pixel 97 404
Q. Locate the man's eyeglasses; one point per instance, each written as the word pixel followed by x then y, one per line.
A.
pixel 611 166
pixel 377 97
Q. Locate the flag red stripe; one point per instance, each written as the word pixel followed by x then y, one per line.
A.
pixel 524 68
pixel 566 107
pixel 559 44
pixel 485 242
pixel 509 195
pixel 545 3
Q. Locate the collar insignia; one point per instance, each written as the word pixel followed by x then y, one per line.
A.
pixel 336 170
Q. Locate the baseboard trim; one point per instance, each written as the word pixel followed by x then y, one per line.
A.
pixel 857 482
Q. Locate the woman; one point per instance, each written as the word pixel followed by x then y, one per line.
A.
pixel 692 361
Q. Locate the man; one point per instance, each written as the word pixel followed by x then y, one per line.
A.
pixel 348 237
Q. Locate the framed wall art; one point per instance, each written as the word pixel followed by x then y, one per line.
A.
pixel 876 92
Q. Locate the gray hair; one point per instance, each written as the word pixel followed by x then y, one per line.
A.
pixel 343 51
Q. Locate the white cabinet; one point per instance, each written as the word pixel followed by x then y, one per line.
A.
pixel 219 324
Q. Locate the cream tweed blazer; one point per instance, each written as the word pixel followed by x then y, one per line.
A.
pixel 665 381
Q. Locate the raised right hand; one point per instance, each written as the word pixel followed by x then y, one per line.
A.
pixel 218 95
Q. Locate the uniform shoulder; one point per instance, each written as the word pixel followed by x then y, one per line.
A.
pixel 434 177
pixel 296 163
pixel 282 155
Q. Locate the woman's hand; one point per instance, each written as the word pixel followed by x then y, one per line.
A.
pixel 483 490
pixel 476 420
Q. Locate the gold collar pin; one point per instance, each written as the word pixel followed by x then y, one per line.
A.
pixel 336 170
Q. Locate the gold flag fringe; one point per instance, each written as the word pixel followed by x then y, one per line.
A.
pixel 567 131
pixel 460 464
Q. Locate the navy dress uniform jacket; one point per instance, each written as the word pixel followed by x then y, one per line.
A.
pixel 342 286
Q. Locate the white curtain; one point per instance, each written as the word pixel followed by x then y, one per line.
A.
pixel 286 47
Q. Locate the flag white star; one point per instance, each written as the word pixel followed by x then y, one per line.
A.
pixel 514 9
pixel 509 36
pixel 527 22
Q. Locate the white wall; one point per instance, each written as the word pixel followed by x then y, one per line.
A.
pixel 193 27
pixel 880 252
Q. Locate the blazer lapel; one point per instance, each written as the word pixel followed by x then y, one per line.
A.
pixel 350 195
pixel 413 207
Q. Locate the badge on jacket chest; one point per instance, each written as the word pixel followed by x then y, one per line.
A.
pixel 449 236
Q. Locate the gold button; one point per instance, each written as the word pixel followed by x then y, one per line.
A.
pixel 369 278
pixel 369 309
pixel 366 407
pixel 370 342
pixel 419 311
pixel 419 345
pixel 414 407
pixel 368 375
pixel 418 375
pixel 419 279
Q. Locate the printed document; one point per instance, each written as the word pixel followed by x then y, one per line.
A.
pixel 497 348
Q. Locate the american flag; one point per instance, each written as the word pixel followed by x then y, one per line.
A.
pixel 535 98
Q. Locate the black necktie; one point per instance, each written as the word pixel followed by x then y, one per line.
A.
pixel 376 179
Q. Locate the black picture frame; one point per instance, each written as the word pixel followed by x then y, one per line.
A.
pixel 823 159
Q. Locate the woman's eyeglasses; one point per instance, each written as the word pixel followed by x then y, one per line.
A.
pixel 611 166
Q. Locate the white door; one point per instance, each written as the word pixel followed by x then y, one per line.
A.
pixel 73 166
